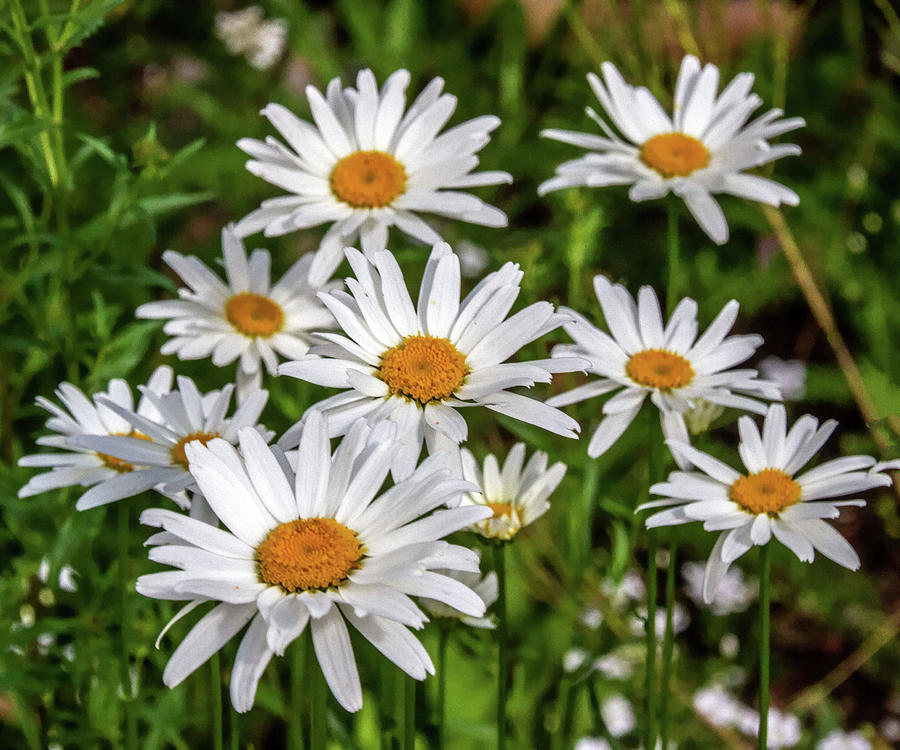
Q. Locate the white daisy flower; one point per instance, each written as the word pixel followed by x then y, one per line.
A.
pixel 702 149
pixel 771 498
pixel 317 549
pixel 485 586
pixel 417 365
pixel 79 415
pixel 366 166
pixel 158 452
pixel 246 319
pixel 669 364
pixel 516 495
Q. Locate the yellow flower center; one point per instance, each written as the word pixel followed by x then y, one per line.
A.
pixel 309 553
pixel 501 510
pixel 423 368
pixel 503 525
pixel 178 454
pixel 767 491
pixel 368 179
pixel 657 368
pixel 674 154
pixel 254 315
pixel 119 464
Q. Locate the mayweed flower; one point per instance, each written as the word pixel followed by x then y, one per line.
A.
pixel 80 416
pixel 517 496
pixel 485 586
pixel 416 365
pixel 246 319
pixel 366 166
pixel 244 32
pixel 314 548
pixel 702 149
pixel 669 364
pixel 156 445
pixel 771 498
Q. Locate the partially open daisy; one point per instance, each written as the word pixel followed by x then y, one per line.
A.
pixel 79 416
pixel 704 148
pixel 770 497
pixel 418 365
pixel 317 548
pixel 517 496
pixel 156 444
pixel 366 165
pixel 669 364
pixel 247 318
pixel 486 588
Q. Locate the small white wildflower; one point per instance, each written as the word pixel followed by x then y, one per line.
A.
pixel 473 259
pixel 618 716
pixel 592 743
pixel 591 618
pixel 729 645
pixel 789 374
pixel 244 32
pixel 839 740
pixel 614 667
pixel 573 659
pixel 734 595
pixel 717 706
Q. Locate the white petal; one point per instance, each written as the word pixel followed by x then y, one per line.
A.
pixel 210 633
pixel 252 658
pixel 335 655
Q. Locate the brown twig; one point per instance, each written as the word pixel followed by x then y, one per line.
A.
pixel 815 694
pixel 822 313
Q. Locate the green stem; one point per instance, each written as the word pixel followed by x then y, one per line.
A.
pixel 235 730
pixel 650 642
pixel 668 644
pixel 124 676
pixel 317 706
pixel 444 638
pixel 502 636
pixel 409 713
pixel 298 693
pixel 215 697
pixel 654 470
pixel 673 287
pixel 764 598
pixel 386 706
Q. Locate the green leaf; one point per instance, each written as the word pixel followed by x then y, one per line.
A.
pixel 159 204
pixel 123 353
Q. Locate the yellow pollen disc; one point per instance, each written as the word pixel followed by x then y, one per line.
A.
pixel 767 491
pixel 674 154
pixel 254 315
pixel 178 454
pixel 368 179
pixel 119 464
pixel 309 553
pixel 423 368
pixel 657 368
pixel 501 510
